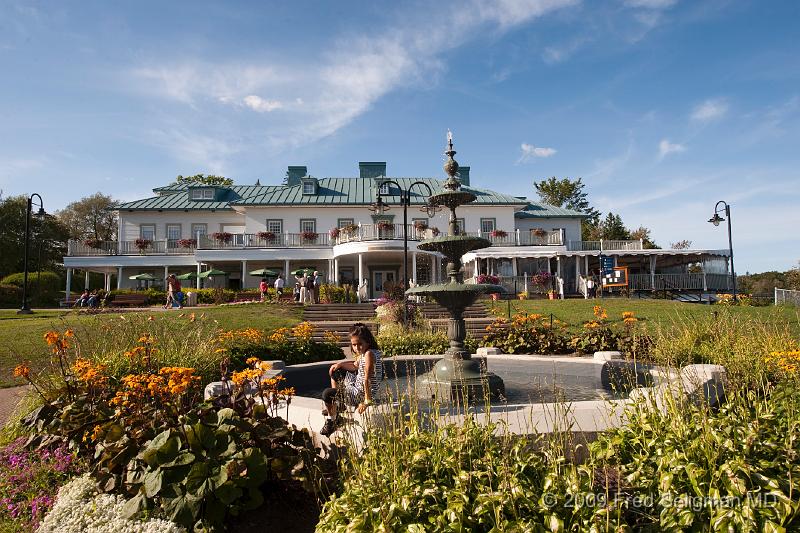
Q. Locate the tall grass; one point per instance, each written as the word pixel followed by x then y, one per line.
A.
pixel 676 465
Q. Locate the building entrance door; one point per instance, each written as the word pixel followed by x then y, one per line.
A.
pixel 379 279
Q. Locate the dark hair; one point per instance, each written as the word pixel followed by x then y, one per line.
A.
pixel 361 330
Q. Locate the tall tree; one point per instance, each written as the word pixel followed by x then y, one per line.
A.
pixel 202 179
pixel 47 242
pixel 567 193
pixel 643 233
pixel 611 228
pixel 684 244
pixel 90 217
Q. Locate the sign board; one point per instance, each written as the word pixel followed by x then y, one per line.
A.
pixel 606 264
pixel 618 277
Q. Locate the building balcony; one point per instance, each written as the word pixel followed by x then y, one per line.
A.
pixel 137 247
pixel 360 233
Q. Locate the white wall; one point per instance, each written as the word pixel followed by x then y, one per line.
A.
pixel 130 222
pixel 572 226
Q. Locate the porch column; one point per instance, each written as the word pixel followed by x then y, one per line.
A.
pixel 586 264
pixel 86 280
pixel 653 271
pixel 166 274
pixel 69 282
pixel 577 274
pixel 514 267
pixel 414 267
pixel 477 267
pixel 198 280
pixel 106 281
pixel 705 285
pixel 560 277
pixel 119 278
pixel 336 271
pixel 286 272
pixel 244 272
pixel 360 269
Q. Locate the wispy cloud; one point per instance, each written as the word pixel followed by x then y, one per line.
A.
pixel 338 86
pixel 256 103
pixel 651 4
pixel 665 148
pixel 710 110
pixel 530 151
pixel 558 53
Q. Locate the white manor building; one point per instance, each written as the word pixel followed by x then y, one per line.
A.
pixel 326 224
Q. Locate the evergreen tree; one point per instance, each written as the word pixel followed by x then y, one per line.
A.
pixel 567 193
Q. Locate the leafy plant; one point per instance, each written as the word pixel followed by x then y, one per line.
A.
pixel 222 237
pixel 142 244
pixel 309 236
pixel 268 236
pixel 186 243
pixel 527 333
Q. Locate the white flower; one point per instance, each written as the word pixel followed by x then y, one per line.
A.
pixel 80 509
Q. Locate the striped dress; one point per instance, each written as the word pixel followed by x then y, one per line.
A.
pixel 354 383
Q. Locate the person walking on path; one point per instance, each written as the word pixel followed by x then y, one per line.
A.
pixel 302 281
pixel 263 287
pixel 279 286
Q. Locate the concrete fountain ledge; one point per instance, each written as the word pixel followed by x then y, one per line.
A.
pixel 699 383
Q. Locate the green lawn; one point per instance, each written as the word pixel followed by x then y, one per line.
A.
pixel 21 336
pixel 652 313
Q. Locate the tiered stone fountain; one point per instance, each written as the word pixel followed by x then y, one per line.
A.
pixel 457 374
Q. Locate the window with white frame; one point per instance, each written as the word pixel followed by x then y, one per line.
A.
pixel 488 225
pixel 384 188
pixel 275 225
pixel 460 225
pixel 147 231
pixel 308 225
pixel 202 229
pixel 308 187
pixel 342 222
pixel 173 232
pixel 203 194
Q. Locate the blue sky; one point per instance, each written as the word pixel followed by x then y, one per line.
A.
pixel 663 107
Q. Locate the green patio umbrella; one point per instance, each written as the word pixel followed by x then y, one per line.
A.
pixel 188 275
pixel 264 272
pixel 211 273
pixel 143 277
pixel 302 271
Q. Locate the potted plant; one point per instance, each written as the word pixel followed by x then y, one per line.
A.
pixel 309 236
pixel 498 233
pixel 349 229
pixel 420 225
pixel 93 243
pixel 222 237
pixel 334 233
pixel 266 236
pixel 385 225
pixel 539 232
pixel 142 244
pixel 186 243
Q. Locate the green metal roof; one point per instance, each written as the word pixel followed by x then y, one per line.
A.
pixel 540 210
pixel 331 191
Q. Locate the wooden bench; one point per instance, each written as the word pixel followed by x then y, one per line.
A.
pixel 129 300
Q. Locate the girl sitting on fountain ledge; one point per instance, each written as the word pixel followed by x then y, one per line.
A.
pixel 355 382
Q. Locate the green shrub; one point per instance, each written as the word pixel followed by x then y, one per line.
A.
pixel 527 333
pixel 10 296
pixel 332 294
pixel 396 341
pixel 291 345
pixel 45 280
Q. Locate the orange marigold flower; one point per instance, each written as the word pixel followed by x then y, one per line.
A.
pixel 627 314
pixel 22 370
pixel 192 318
pixel 252 361
pixel 51 337
pixel 630 320
pixel 69 333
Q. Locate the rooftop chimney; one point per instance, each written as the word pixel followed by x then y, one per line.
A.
pixel 463 175
pixel 373 169
pixel 293 175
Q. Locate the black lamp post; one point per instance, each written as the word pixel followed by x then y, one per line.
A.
pixel 380 207
pixel 716 219
pixel 25 309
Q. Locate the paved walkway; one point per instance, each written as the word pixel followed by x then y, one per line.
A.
pixel 9 398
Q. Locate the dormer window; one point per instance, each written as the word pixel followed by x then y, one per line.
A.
pixel 206 193
pixel 309 186
pixel 384 189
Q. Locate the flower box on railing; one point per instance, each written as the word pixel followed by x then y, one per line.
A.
pixel 267 236
pixel 385 226
pixel 186 243
pixel 309 236
pixel 349 229
pixel 333 233
pixel 488 278
pixel 420 226
pixel 222 237
pixel 142 244
pixel 93 243
pixel 539 232
pixel 498 233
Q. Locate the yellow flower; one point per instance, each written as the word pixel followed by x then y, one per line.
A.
pixel 594 324
pixel 627 314
pixel 51 337
pixel 69 333
pixel 251 361
pixel 630 320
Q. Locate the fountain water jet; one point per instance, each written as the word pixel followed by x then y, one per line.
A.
pixel 457 373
